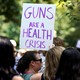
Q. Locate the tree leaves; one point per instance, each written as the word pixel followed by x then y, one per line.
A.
pixel 10 9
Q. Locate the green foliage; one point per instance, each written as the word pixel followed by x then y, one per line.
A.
pixel 74 22
pixel 68 21
pixel 10 18
pixel 11 30
pixel 10 9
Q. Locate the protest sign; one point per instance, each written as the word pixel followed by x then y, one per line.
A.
pixel 37 26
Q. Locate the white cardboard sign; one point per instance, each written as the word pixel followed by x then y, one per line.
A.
pixel 37 26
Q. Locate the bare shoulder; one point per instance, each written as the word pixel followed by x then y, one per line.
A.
pixel 17 78
pixel 36 76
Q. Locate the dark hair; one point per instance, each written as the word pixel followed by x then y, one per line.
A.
pixel 78 49
pixel 69 66
pixel 6 53
pixel 7 59
pixel 25 61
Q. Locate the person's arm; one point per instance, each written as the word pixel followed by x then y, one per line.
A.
pixel 36 76
pixel 17 78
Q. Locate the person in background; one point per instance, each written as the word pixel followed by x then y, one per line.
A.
pixel 42 54
pixel 69 65
pixel 14 46
pixel 19 54
pixel 58 41
pixel 7 60
pixel 52 62
pixel 22 51
pixel 29 65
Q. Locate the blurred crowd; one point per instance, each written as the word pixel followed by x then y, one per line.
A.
pixel 58 63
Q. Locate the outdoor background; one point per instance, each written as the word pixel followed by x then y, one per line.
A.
pixel 67 20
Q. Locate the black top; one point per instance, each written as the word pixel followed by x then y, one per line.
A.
pixel 42 77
